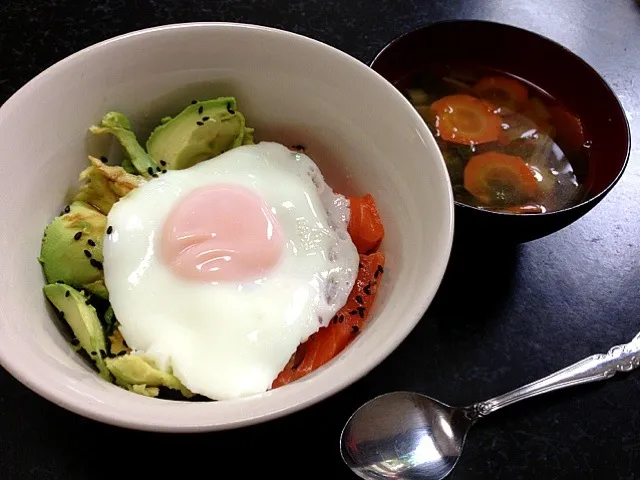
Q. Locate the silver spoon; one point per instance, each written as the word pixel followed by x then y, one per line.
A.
pixel 409 436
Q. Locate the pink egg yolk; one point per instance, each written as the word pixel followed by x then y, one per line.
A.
pixel 221 233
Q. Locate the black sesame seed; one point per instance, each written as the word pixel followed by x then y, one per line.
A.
pixel 77 236
pixel 87 253
pixel 104 159
pixel 380 269
pixel 376 274
pixel 164 171
pixel 229 109
pixel 59 281
pixel 204 119
pixel 158 169
pixel 91 243
pixel 95 263
pixel 122 352
pixel 111 355
pixel 353 312
pixel 109 230
pixel 367 289
pixel 201 109
pixel 150 170
pixel 193 102
pixel 67 209
pixel 94 353
pixel 335 320
pixel 163 163
pixel 355 329
pixel 199 123
pixel 67 293
pixel 359 299
pixel 75 342
pixel 154 175
pixel 103 354
pixel 361 311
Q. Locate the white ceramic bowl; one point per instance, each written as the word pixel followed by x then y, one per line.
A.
pixel 363 134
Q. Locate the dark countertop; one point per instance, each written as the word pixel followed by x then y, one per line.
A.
pixel 527 312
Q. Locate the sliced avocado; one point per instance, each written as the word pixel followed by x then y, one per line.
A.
pixel 105 185
pixel 118 125
pixel 201 131
pixel 71 250
pixel 83 320
pixel 135 370
pixel 144 390
pixel 98 288
pixel 139 389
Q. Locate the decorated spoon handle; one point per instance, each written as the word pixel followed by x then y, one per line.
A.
pixel 621 358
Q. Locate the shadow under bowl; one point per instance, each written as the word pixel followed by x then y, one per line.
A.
pixel 550 67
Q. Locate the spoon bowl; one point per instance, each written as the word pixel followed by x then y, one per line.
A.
pixel 422 438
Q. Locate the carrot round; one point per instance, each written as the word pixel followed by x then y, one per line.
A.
pixel 502 91
pixel 488 173
pixel 329 341
pixel 466 120
pixel 365 226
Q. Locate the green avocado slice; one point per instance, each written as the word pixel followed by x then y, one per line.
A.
pixel 119 126
pixel 83 320
pixel 71 250
pixel 201 131
pixel 140 375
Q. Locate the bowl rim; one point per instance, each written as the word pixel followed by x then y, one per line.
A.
pixel 113 416
pixel 588 203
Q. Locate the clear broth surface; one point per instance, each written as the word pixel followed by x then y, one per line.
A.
pixel 508 145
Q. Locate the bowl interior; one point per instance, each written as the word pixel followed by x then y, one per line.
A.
pixel 534 58
pixel 291 89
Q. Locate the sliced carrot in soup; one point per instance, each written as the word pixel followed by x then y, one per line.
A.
pixel 329 341
pixel 502 91
pixel 466 120
pixel 494 177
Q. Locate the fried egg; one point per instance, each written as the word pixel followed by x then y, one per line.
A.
pixel 218 272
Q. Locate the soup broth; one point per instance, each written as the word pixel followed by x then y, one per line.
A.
pixel 508 145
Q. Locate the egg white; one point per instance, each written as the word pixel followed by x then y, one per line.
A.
pixel 231 339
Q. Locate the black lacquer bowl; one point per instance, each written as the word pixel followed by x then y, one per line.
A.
pixel 544 63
